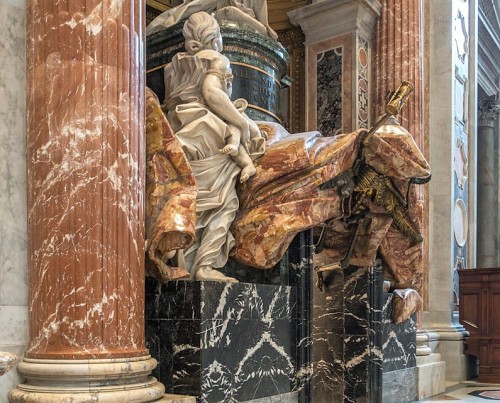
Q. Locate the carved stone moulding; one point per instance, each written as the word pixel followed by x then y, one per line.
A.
pixel 460 222
pixel 109 380
pixel 460 163
pixel 259 65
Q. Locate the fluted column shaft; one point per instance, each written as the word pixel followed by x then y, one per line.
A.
pixel 85 174
pixel 487 192
pixel 398 57
pixel 86 165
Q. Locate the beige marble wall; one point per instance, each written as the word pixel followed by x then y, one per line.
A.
pixel 13 256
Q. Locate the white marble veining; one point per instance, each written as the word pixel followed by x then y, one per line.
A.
pixel 13 257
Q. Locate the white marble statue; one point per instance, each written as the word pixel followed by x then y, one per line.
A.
pixel 217 138
pixel 252 13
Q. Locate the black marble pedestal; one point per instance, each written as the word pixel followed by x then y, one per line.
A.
pixel 399 379
pixel 221 341
pixel 236 342
pixel 347 337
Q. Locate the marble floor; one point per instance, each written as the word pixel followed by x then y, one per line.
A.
pixel 468 392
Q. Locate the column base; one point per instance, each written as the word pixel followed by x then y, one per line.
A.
pixel 111 380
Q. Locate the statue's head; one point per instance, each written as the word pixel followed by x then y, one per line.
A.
pixel 201 31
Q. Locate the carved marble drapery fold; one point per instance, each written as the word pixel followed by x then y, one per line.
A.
pixel 85 158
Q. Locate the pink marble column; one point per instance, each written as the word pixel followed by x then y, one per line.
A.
pixel 398 57
pixel 85 157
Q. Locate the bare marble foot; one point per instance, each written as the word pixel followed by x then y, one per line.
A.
pixel 207 273
pixel 247 172
pixel 231 149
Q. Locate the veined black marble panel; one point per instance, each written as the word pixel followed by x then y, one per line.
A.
pixel 347 334
pixel 399 346
pixel 221 341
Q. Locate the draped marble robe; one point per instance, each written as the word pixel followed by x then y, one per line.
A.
pixel 285 196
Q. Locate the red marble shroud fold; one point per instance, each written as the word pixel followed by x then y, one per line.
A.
pixel 282 199
pixel 405 303
pixel 170 194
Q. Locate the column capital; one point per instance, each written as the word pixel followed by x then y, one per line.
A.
pixel 489 110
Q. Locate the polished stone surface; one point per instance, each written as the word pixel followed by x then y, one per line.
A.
pixel 468 392
pixel 13 272
pixel 329 92
pixel 443 255
pixel 400 386
pixel 259 65
pixel 399 340
pixel 13 238
pixel 431 376
pixel 223 341
pixel 86 169
pixel 347 337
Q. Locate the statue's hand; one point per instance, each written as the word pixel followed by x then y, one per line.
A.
pixel 254 130
pixel 231 149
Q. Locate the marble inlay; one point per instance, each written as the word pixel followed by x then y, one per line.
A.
pixel 467 393
pixel 329 92
pixel 363 83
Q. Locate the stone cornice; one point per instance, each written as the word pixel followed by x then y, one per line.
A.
pixel 488 52
pixel 326 19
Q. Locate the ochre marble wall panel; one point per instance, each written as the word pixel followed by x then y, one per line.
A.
pixel 86 163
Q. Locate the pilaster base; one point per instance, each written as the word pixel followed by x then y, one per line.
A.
pixel 430 376
pixel 448 341
pixel 111 380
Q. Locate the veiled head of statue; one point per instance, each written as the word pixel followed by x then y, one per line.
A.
pixel 201 31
